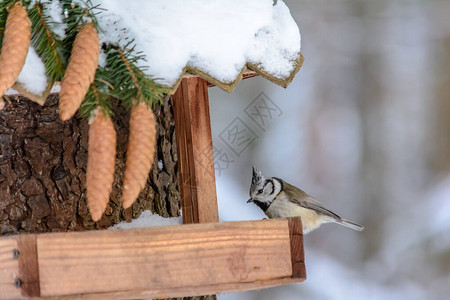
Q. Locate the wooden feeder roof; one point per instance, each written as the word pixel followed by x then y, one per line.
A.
pixel 249 70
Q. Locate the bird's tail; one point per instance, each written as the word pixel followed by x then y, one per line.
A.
pixel 349 224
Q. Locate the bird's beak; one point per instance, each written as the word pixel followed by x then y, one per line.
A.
pixel 250 200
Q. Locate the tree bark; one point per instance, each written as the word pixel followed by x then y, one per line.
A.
pixel 43 165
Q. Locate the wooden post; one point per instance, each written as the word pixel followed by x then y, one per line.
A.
pixel 195 152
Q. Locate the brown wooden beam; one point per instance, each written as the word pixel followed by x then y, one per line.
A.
pixel 28 279
pixel 181 292
pixel 169 261
pixel 195 152
pixel 297 249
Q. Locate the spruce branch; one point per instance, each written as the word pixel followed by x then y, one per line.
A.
pixel 134 84
pixel 131 73
pixel 99 95
pixel 75 16
pixel 121 77
pixel 47 43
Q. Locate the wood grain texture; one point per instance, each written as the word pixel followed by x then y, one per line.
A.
pixel 182 292
pixel 297 249
pixel 9 269
pixel 194 93
pixel 195 152
pixel 169 261
pixel 196 172
pixel 28 265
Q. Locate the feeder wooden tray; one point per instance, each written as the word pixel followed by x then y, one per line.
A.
pixel 170 261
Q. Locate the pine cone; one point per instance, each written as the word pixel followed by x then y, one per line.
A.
pixel 101 163
pixel 80 71
pixel 14 47
pixel 140 152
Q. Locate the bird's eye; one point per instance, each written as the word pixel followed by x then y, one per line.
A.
pixel 260 191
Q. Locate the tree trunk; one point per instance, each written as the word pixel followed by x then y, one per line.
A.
pixel 43 170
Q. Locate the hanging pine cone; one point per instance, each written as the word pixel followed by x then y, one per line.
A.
pixel 100 165
pixel 15 45
pixel 140 152
pixel 80 71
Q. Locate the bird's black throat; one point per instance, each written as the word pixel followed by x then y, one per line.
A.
pixel 263 205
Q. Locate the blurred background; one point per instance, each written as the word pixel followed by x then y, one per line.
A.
pixel 365 128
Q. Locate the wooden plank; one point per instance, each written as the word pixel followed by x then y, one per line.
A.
pixel 297 249
pixel 195 152
pixel 28 266
pixel 185 291
pixel 169 261
pixel 9 268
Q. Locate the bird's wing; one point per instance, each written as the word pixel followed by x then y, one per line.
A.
pixel 316 206
pixel 307 201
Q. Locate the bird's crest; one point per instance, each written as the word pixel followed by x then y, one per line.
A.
pixel 257 178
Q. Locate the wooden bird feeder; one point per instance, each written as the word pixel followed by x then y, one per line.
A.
pixel 170 261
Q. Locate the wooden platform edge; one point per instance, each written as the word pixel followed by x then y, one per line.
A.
pixel 297 249
pixel 234 242
pixel 185 291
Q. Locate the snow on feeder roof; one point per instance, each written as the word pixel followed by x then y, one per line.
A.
pixel 216 40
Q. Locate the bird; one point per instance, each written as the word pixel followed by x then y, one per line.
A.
pixel 279 199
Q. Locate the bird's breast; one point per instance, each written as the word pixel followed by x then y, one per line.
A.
pixel 282 208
